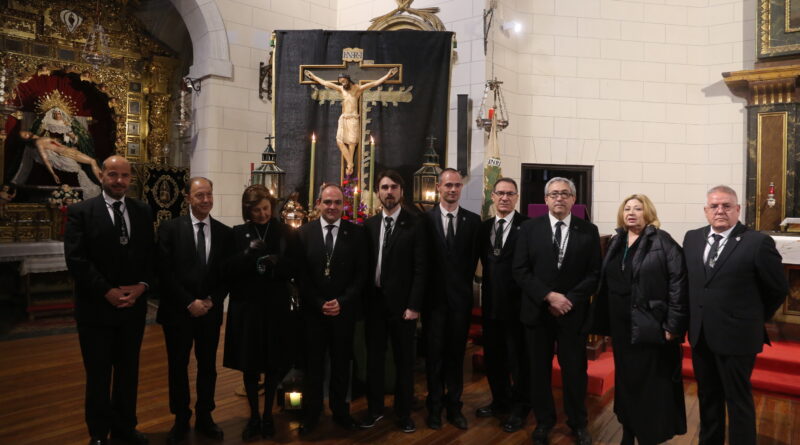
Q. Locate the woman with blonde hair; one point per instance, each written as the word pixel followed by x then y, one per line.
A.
pixel 642 304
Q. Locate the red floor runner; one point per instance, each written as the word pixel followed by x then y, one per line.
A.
pixel 777 368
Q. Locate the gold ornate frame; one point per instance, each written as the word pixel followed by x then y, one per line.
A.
pixel 34 40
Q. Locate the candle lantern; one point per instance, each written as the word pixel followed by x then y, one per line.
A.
pixel 293 213
pixel 289 392
pixel 268 173
pixel 425 179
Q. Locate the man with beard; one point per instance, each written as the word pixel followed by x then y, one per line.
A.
pixel 348 133
pixel 393 303
pixel 453 254
pixel 503 333
pixel 109 247
pixel 331 275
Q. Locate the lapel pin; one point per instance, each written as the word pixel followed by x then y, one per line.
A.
pixel 247 235
pixel 738 238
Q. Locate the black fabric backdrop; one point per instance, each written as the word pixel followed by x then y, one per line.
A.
pixel 400 131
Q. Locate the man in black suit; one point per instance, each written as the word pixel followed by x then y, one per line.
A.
pixel 557 265
pixel 453 255
pixel 191 250
pixel 332 271
pixel 504 349
pixel 392 306
pixel 736 283
pixel 109 249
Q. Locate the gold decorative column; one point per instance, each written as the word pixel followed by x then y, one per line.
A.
pixel 157 135
pixel 772 115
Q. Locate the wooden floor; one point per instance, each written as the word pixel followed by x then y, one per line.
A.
pixel 41 402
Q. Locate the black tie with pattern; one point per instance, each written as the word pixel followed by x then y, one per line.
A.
pixel 119 223
pixel 557 238
pixel 712 252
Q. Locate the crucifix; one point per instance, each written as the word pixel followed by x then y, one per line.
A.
pixel 369 75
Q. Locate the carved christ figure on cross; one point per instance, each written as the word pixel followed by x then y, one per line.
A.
pixel 348 133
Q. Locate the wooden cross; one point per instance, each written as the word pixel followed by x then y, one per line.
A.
pixel 360 72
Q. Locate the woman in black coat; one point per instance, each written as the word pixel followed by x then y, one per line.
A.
pixel 642 304
pixel 255 335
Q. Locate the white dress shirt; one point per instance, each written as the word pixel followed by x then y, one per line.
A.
pixel 506 227
pixel 710 241
pixel 123 208
pixel 445 219
pixel 394 217
pixel 206 231
pixel 334 231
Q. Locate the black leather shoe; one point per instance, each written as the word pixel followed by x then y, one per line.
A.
pixel 490 410
pixel 251 430
pixel 457 419
pixel 209 429
pixel 131 437
pixel 308 426
pixel 513 424
pixel 346 422
pixel 434 419
pixel 407 425
pixel 370 421
pixel 178 433
pixel 267 427
pixel 582 436
pixel 95 441
pixel 539 435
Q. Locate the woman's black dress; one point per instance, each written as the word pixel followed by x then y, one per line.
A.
pixel 258 332
pixel 648 392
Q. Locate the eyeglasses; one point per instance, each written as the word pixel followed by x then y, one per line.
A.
pixel 713 208
pixel 509 194
pixel 564 194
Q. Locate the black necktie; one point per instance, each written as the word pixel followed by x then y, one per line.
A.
pixel 329 240
pixel 557 237
pixel 498 237
pixel 387 232
pixel 119 223
pixel 712 252
pixel 201 243
pixel 451 233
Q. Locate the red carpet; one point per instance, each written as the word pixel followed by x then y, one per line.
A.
pixel 777 368
pixel 601 371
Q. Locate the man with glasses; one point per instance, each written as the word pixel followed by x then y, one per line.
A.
pixel 503 335
pixel 453 256
pixel 331 274
pixel 736 283
pixel 557 265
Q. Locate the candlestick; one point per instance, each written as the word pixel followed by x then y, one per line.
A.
pixel 311 174
pixel 372 160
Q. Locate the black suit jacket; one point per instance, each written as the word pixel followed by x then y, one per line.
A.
pixel 500 294
pixel 98 262
pixel 452 270
pixel 403 271
pixel 536 269
pixel 183 278
pixel 743 290
pixel 348 268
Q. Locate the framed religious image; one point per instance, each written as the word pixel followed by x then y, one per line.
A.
pixel 792 304
pixel 134 106
pixel 134 148
pixel 135 87
pixel 778 28
pixel 133 128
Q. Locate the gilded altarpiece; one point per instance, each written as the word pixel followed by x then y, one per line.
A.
pixel 124 105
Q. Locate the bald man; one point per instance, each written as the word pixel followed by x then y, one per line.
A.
pixel 109 249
